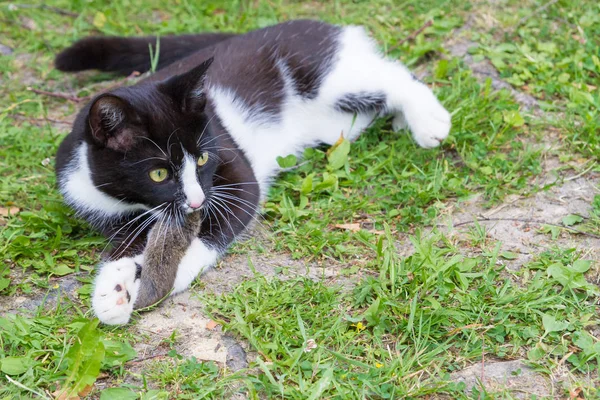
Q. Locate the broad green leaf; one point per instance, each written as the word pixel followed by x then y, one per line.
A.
pixel 441 70
pixel 581 266
pixel 62 269
pixel 548 47
pixel 552 325
pixel 303 202
pixel 287 161
pixel 14 365
pixel 307 184
pixel 155 395
pixel 84 359
pixel 4 283
pixel 564 77
pixel 508 255
pixel 596 61
pixel 322 384
pixel 118 394
pixel 513 118
pixel 569 277
pixel 559 272
pixel 571 219
pixel 497 62
pixel 374 312
pixel 536 354
pixel 505 47
pixel 329 182
pixel 117 353
pixel 20 240
pixel 584 341
pixel 338 154
pixel 486 170
pixel 552 230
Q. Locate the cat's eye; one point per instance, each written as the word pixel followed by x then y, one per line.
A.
pixel 159 175
pixel 203 159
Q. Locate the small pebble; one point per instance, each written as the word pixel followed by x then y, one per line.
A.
pixel 5 50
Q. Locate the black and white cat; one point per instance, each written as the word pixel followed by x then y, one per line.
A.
pixel 203 133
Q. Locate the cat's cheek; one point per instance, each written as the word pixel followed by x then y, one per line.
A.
pixel 116 289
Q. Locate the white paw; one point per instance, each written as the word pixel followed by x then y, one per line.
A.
pixel 115 290
pixel 399 122
pixel 428 120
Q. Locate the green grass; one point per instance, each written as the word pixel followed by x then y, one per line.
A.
pixel 410 321
pixel 555 57
pixel 56 351
pixel 399 334
pixel 44 239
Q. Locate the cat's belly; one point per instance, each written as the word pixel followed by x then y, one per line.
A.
pixel 302 123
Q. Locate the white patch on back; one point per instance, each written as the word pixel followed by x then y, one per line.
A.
pixel 198 257
pixel 302 123
pixel 80 192
pixel 189 181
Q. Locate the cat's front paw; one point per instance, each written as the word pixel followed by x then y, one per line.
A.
pixel 428 120
pixel 116 289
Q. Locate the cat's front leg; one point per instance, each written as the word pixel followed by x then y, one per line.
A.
pixel 198 257
pixel 116 288
pixel 173 271
pixel 119 285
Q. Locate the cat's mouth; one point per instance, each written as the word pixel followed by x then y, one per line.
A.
pixel 189 210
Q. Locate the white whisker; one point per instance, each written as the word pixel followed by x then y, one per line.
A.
pixel 204 130
pixel 113 236
pixel 154 143
pixel 251 215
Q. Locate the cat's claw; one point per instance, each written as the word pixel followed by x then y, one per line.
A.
pixel 428 120
pixel 116 289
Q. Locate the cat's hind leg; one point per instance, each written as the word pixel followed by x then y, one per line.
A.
pixel 424 115
pixel 361 72
pixel 399 122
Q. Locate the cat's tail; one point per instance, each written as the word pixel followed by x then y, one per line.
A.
pixel 124 55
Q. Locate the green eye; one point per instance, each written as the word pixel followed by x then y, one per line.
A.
pixel 159 175
pixel 203 159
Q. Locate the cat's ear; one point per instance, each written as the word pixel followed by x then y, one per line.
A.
pixel 188 89
pixel 114 123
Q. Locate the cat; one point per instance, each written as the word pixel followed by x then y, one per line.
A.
pixel 202 134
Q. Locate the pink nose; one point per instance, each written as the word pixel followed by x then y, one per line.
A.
pixel 195 205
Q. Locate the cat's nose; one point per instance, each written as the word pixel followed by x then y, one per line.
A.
pixel 195 205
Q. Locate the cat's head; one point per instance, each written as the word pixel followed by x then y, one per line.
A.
pixel 151 144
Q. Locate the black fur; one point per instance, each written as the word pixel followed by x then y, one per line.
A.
pixel 307 60
pixel 155 131
pixel 126 55
pixel 362 102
